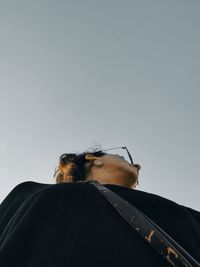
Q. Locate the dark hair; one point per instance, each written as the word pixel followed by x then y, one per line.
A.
pixel 72 167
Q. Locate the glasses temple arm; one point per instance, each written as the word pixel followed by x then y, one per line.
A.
pixel 124 147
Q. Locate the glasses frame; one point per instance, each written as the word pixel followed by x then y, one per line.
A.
pixel 123 147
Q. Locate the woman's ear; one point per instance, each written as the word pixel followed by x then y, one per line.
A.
pixel 90 157
pixel 94 160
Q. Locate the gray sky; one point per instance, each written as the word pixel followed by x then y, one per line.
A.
pixel 77 73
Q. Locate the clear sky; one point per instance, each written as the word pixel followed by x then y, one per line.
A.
pixel 78 73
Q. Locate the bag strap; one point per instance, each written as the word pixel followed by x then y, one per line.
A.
pixel 158 239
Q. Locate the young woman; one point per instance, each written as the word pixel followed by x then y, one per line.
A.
pixel 70 223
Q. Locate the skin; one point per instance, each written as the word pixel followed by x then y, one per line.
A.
pixel 114 169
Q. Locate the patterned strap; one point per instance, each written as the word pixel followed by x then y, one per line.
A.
pixel 158 239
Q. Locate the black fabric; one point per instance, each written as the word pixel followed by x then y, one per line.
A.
pixel 72 224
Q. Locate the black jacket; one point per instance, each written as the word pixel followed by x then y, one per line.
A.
pixel 73 225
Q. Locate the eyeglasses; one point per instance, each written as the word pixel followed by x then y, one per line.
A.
pixel 123 147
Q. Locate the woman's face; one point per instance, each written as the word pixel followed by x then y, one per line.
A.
pixel 120 163
pixel 113 168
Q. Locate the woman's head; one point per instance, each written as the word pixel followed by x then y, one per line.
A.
pixel 74 167
pixel 106 168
